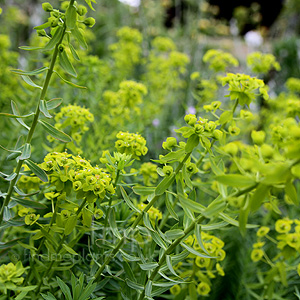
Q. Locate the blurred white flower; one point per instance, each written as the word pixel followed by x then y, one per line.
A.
pixel 155 122
pixel 133 3
pixel 191 110
pixel 253 38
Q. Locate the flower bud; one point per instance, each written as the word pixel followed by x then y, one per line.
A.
pixel 258 137
pixel 47 7
pixel 81 10
pixel 231 148
pixel 233 130
pixel 217 134
pixel 168 170
pixel 170 143
pixel 190 119
pixel 90 22
pixel 267 151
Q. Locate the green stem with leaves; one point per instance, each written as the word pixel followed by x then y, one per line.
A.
pixel 137 221
pixel 169 250
pixel 34 122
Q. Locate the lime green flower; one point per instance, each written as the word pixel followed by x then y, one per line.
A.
pixel 175 289
pixel 203 289
pixel 10 276
pixel 262 231
pixel 256 255
pixel 202 262
pixel 283 225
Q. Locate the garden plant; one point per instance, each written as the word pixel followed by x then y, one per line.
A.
pixel 97 204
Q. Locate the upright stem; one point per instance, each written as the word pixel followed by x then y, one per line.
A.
pixel 136 222
pixel 169 250
pixel 34 123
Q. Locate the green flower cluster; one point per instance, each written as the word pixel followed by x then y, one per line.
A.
pixel 201 127
pixel 219 60
pixel 74 173
pixel 77 118
pixel 127 51
pixel 131 143
pixel 10 276
pixel 125 103
pixel 244 88
pixel 205 268
pixel 149 173
pixel 293 84
pixel 262 63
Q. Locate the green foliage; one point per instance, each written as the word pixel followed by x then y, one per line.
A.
pixel 210 212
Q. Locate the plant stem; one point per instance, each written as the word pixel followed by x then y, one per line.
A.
pixel 109 206
pixel 136 222
pixel 34 123
pixel 169 250
pixel 58 250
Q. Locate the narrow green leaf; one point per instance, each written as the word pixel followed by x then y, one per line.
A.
pixel 170 266
pixel 243 219
pixel 11 177
pixel 40 173
pixel 199 238
pixel 71 17
pixel 259 196
pixel 54 132
pixel 192 205
pixel 65 289
pixel 30 48
pixel 195 252
pixel 49 296
pixel 143 190
pixel 19 192
pixel 30 82
pixel 29 203
pixel 8 244
pixel 128 201
pixel 148 266
pixel 291 192
pixel 89 3
pixel 87 217
pixel 174 234
pixel 69 82
pixel 232 221
pixel 70 250
pixel 53 103
pixel 134 285
pixel 214 208
pixel 113 224
pixel 79 37
pixel 129 257
pixel 26 246
pixel 170 207
pixel 30 73
pixel 74 53
pixel 192 143
pixel 43 26
pixel 26 152
pixel 164 184
pixel 49 237
pixel 44 110
pixel 148 290
pixel 70 224
pixel 187 178
pixel 66 64
pixel 55 39
pixel 168 278
pixel 235 180
pixel 21 296
pixel 15 111
pixel 15 116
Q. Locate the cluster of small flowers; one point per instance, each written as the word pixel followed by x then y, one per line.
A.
pixel 127 51
pixel 29 215
pixel 287 242
pixel 219 60
pixel 293 85
pixel 10 276
pixel 125 101
pixel 262 63
pixel 206 267
pixel 149 173
pixel 68 172
pixel 75 116
pixel 244 87
pixel 56 17
pixel 201 127
pixel 131 143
